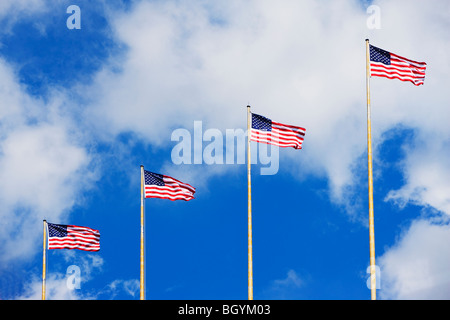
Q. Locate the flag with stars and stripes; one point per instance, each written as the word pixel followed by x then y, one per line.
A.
pixel 164 187
pixel 271 132
pixel 62 236
pixel 392 66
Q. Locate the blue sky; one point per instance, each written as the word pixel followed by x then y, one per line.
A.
pixel 82 109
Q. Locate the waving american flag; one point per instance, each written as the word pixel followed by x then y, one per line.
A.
pixel 61 236
pixel 392 66
pixel 275 133
pixel 164 187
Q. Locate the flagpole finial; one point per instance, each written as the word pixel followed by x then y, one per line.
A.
pixel 367 40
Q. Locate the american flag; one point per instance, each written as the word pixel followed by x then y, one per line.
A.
pixel 271 132
pixel 164 187
pixel 392 66
pixel 62 236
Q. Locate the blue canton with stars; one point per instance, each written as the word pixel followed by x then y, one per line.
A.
pixel 380 55
pixel 153 178
pixel 57 230
pixel 261 123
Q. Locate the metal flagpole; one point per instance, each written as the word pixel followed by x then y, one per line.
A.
pixel 142 277
pixel 44 259
pixel 249 187
pixel 369 160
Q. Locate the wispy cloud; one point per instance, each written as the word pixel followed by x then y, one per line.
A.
pixel 292 279
pixel 129 287
pixel 416 267
pixel 285 288
pixel 81 270
pixel 427 174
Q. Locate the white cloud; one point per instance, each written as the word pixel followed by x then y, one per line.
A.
pixel 285 288
pixel 68 286
pixel 427 175
pixel 13 7
pixel 43 166
pixel 37 163
pixel 129 287
pixel 13 11
pixel 416 267
pixel 56 289
pixel 39 169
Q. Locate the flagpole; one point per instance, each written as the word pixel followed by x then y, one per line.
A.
pixel 249 188
pixel 369 160
pixel 44 258
pixel 142 274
